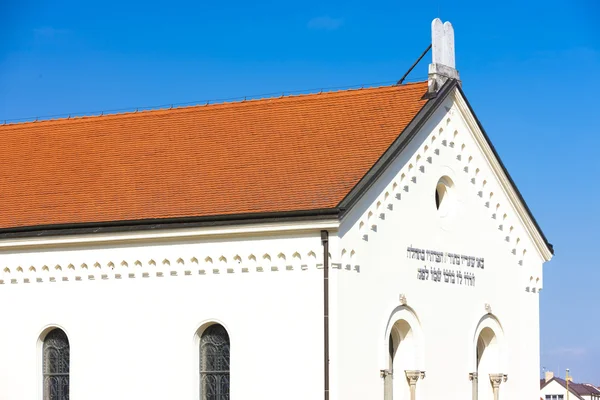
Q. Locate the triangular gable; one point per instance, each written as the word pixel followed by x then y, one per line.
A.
pixel 452 88
pixel 517 200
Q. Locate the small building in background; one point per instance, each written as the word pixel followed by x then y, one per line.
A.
pixel 555 388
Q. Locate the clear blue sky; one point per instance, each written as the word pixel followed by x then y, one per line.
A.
pixel 529 68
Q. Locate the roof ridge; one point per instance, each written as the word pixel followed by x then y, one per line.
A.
pixel 225 103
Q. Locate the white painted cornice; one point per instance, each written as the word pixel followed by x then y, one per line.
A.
pixel 203 261
pixel 169 234
pixel 505 183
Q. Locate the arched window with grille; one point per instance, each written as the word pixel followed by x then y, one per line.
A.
pixel 55 365
pixel 214 363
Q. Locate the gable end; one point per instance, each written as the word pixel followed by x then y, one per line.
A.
pixel 512 191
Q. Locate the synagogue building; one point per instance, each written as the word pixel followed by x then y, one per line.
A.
pixel 346 245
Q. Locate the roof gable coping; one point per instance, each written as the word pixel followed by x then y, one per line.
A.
pixel 511 191
pixel 404 138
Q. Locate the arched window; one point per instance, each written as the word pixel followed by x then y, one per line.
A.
pixel 401 359
pixel 55 365
pixel 214 363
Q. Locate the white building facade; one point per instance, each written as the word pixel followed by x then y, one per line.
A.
pixel 434 270
pixel 556 388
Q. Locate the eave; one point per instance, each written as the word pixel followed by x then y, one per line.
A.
pixel 170 229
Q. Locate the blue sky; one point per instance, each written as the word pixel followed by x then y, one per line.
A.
pixel 530 70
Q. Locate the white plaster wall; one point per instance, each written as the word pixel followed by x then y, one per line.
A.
pixel 448 314
pixel 134 338
pixel 554 388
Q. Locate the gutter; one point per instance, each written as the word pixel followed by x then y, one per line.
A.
pixel 158 224
pixel 325 243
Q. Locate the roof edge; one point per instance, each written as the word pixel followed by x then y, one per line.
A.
pixel 38 231
pixel 409 133
pixel 399 144
pixel 561 382
pixel 512 183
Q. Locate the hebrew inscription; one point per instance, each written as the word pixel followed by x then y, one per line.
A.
pixel 437 273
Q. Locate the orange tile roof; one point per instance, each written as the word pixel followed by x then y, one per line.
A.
pixel 270 155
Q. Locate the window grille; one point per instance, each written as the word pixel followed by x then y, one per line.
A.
pixel 55 365
pixel 214 364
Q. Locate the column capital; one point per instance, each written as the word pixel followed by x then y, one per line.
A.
pixel 413 376
pixel 497 379
pixel 472 376
pixel 386 372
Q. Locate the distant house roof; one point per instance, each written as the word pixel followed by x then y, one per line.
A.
pixel 580 389
pixel 284 154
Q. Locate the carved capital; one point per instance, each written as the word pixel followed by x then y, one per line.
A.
pixel 386 372
pixel 497 379
pixel 472 376
pixel 413 376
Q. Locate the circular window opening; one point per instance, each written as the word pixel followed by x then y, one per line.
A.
pixel 443 195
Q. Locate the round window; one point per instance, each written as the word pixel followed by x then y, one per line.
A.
pixel 443 195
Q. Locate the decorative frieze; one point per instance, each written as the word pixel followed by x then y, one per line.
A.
pixel 182 266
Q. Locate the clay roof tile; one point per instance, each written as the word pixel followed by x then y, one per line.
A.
pixel 293 153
